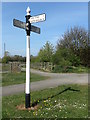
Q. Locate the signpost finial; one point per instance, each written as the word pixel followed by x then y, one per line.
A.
pixel 28 11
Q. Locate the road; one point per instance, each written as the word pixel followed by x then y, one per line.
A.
pixel 54 80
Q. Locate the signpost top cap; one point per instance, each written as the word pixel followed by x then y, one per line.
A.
pixel 28 11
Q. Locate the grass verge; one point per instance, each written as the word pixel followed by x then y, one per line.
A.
pixel 19 78
pixel 67 101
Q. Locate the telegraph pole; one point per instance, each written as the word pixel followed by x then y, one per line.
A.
pixel 4 49
pixel 27 95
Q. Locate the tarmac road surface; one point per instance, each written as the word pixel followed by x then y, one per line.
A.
pixel 54 80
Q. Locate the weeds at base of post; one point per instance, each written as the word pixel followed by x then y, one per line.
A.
pixel 22 107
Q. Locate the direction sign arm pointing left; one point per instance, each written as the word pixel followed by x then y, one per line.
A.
pixel 20 24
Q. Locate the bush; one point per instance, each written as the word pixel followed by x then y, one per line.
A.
pixel 6 59
pixel 69 69
pixel 60 69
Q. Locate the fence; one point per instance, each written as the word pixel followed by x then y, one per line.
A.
pixel 46 66
pixel 13 66
pixel 18 67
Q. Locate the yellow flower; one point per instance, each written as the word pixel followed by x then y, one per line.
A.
pixel 44 100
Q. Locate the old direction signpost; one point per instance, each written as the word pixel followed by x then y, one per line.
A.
pixel 28 27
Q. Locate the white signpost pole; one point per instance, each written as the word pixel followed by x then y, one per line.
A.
pixel 28 27
pixel 27 96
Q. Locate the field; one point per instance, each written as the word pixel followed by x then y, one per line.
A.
pixel 67 101
pixel 19 78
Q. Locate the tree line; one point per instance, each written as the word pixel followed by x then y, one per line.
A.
pixel 15 58
pixel 72 49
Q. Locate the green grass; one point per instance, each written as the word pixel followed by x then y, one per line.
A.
pixel 52 104
pixel 19 78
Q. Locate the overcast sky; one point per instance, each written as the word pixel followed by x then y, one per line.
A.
pixel 59 17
